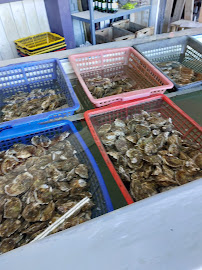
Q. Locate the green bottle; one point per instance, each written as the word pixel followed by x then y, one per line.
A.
pixel 115 6
pixel 99 5
pixel 96 5
pixel 109 6
pixel 104 6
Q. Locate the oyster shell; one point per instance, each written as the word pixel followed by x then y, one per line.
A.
pixel 121 145
pixel 43 194
pixel 32 212
pixel 150 148
pixel 198 160
pixel 78 185
pixel 173 149
pixel 47 213
pixel 35 227
pixel 63 208
pixel 134 155
pixel 172 161
pixel 19 185
pixel 8 227
pixel 12 208
pixel 82 171
pixel 165 180
pixel 9 164
pixel 142 130
pixel 44 141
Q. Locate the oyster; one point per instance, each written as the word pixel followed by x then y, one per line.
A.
pixel 104 129
pixel 44 141
pixel 134 155
pixel 143 190
pixel 63 208
pixel 121 145
pixel 8 227
pixel 35 140
pixel 63 186
pixel 53 173
pixel 12 208
pixel 70 175
pixel 32 212
pixel 150 148
pixel 47 213
pixel 82 171
pixel 198 160
pixel 173 149
pixel 7 244
pixel 164 180
pixel 19 185
pixel 9 164
pixel 173 161
pixel 43 194
pixel 78 185
pixel 35 227
pixel 142 130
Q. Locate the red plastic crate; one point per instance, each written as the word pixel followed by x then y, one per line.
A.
pixel 112 61
pixel 160 103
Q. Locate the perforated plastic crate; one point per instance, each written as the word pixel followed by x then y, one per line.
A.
pixel 24 133
pixel 113 61
pixel 45 50
pixel 39 41
pixel 158 103
pixel 31 75
pixel 184 50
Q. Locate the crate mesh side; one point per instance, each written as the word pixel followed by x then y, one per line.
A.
pixel 94 187
pixel 183 125
pixel 167 53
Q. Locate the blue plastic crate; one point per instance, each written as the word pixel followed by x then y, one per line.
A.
pixel 41 74
pixel 24 133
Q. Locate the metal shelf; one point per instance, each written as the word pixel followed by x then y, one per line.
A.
pixel 100 16
pixel 92 16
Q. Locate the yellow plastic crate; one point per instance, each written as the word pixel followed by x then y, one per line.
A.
pixel 39 41
pixel 44 50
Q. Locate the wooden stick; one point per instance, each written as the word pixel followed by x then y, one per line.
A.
pixel 58 222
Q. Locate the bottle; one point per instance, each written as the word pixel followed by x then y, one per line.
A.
pixel 96 5
pixel 109 6
pixel 115 6
pixel 99 5
pixel 104 6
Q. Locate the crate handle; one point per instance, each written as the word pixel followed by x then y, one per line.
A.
pixel 4 128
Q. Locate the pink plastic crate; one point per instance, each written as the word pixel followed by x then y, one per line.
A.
pixel 112 61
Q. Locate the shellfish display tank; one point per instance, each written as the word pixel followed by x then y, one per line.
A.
pixel 42 176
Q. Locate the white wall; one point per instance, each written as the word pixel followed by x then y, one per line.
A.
pixel 20 19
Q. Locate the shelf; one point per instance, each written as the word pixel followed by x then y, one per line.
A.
pixel 99 16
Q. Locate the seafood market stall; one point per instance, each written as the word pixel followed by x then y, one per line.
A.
pixel 111 141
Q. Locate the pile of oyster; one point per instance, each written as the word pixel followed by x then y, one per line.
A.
pixel 38 184
pixel 149 154
pixel 23 104
pixel 179 73
pixel 108 86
